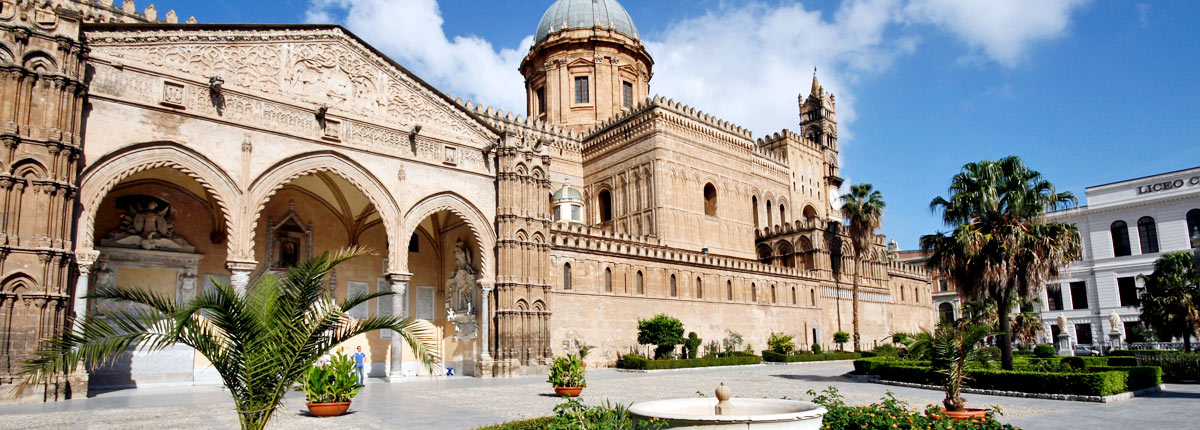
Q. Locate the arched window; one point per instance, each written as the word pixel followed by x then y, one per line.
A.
pixel 782 213
pixel 773 295
pixel 754 210
pixel 607 280
pixel 753 293
pixel 946 311
pixel 1148 234
pixel 674 290
pixel 729 290
pixel 902 294
pixel 769 220
pixel 699 288
pixel 809 212
pixel 567 276
pixel 641 289
pixel 1193 224
pixel 812 297
pixel 794 296
pixel 710 200
pixel 604 205
pixel 1120 238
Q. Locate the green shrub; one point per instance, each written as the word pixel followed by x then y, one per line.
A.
pixel 1176 366
pixel 899 338
pixel 780 343
pixel 891 413
pixel 567 372
pixel 990 353
pixel 331 383
pixel 634 361
pixel 691 345
pixel 732 342
pixel 1139 376
pixel 1085 362
pixel 794 358
pixel 1098 383
pixel 542 423
pixel 1044 350
pixel 816 348
pixel 885 350
pixel 841 338
pixel 662 331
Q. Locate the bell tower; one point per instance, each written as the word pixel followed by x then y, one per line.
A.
pixel 818 115
pixel 587 64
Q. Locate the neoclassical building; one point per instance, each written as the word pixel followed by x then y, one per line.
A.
pixel 141 151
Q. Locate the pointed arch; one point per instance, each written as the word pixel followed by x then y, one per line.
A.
pixel 477 222
pixel 98 179
pixel 277 176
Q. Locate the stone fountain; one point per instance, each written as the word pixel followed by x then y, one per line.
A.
pixel 725 412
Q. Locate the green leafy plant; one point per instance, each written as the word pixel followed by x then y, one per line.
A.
pixel 816 348
pixel 899 338
pixel 780 343
pixel 331 383
pixel 691 345
pixel 954 345
pixel 1170 300
pixel 634 361
pixel 662 331
pixel 567 371
pixel 260 343
pixel 733 341
pixel 840 338
pixel 573 414
pixel 1044 350
pixel 712 348
pixel 892 413
pixel 862 208
pixel 584 350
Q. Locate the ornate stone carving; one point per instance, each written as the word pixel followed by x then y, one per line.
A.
pixel 460 294
pixel 148 223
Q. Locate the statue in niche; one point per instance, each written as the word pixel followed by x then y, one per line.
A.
pixel 187 281
pixel 289 251
pixel 288 240
pixel 460 294
pixel 148 223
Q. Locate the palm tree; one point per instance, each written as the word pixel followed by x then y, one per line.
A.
pixel 1001 246
pixel 1170 300
pixel 951 347
pixel 1026 327
pixel 260 343
pixel 862 208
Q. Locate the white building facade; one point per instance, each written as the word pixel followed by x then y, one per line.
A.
pixel 1124 228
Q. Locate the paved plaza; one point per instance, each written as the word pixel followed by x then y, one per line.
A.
pixel 464 403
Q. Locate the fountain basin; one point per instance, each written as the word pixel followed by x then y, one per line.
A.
pixel 756 414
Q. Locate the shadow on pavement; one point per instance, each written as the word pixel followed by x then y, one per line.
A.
pixel 814 378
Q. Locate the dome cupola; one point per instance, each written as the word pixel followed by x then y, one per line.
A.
pixel 582 14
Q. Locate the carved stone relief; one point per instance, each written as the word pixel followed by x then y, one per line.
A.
pixel 148 223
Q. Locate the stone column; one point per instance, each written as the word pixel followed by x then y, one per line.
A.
pixel 485 290
pixel 83 261
pixel 400 288
pixel 239 275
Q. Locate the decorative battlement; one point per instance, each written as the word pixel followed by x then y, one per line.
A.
pixel 557 137
pixel 901 268
pixel 679 108
pixel 785 135
pixel 586 238
pixel 104 12
pixel 789 228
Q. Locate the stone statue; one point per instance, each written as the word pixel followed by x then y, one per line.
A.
pixel 148 223
pixel 1062 323
pixel 187 281
pixel 460 297
pixel 1114 320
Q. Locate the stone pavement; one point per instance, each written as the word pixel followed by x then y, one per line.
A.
pixel 465 403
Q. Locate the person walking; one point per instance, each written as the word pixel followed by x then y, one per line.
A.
pixel 359 359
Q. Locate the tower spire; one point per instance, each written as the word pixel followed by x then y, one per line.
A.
pixel 816 87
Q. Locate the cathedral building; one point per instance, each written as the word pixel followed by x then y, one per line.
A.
pixel 141 151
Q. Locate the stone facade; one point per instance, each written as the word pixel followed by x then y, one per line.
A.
pixel 224 153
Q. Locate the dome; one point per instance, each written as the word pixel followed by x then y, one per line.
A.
pixel 569 14
pixel 566 193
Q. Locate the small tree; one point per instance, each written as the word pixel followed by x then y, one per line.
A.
pixel 780 343
pixel 691 345
pixel 1170 301
pixel 840 338
pixel 954 345
pixel 733 341
pixel 662 331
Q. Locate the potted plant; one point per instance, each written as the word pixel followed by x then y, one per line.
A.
pixel 583 353
pixel 567 375
pixel 328 388
pixel 953 346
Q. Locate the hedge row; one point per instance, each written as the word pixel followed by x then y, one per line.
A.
pixel 637 362
pixel 1176 365
pixel 1100 383
pixel 776 357
pixel 541 423
pixel 1139 376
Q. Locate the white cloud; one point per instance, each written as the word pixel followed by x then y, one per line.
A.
pixel 1002 30
pixel 410 31
pixel 746 63
pixel 1143 14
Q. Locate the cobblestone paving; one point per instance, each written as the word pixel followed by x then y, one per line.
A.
pixel 464 403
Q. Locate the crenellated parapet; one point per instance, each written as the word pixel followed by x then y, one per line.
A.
pixel 105 12
pixel 560 138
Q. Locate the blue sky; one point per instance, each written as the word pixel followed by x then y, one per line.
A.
pixel 1086 91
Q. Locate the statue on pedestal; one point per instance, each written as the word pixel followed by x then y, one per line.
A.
pixel 460 294
pixel 1064 338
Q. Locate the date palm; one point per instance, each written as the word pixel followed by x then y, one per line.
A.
pixel 1001 247
pixel 1170 300
pixel 260 343
pixel 951 347
pixel 862 208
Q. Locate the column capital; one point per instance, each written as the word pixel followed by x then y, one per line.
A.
pixel 86 256
pixel 399 277
pixel 487 285
pixel 246 265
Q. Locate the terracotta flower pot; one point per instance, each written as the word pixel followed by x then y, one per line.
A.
pixel 966 413
pixel 568 391
pixel 328 409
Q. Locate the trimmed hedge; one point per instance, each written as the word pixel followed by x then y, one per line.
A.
pixel 1099 383
pixel 1139 376
pixel 530 424
pixel 775 357
pixel 637 362
pixel 1084 362
pixel 1122 361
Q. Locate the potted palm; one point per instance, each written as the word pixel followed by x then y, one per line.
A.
pixel 952 346
pixel 328 388
pixel 567 376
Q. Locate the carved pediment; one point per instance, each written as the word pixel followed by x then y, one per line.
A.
pixel 306 66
